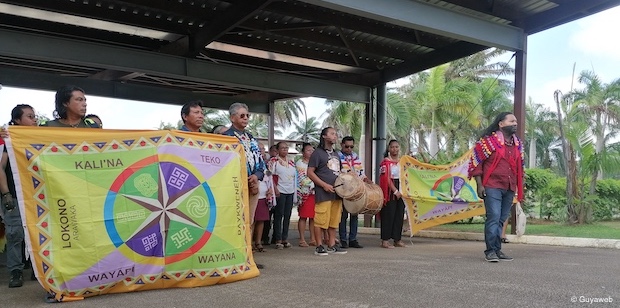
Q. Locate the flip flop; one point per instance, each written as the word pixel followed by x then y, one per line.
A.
pixel 303 244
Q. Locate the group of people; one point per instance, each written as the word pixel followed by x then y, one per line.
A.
pixel 276 183
pixel 70 111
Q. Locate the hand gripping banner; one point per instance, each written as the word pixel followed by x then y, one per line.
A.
pixel 436 195
pixel 108 211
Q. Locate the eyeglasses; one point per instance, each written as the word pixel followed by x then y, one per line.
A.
pixel 349 146
pixel 244 115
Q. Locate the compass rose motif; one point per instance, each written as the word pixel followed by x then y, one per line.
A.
pixel 160 209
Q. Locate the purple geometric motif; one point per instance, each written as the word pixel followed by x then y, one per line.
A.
pixel 180 139
pixel 40 211
pixel 153 248
pixel 37 146
pixel 42 239
pixel 45 267
pixel 100 144
pixel 155 139
pixel 178 179
pixel 28 154
pixel 201 143
pixel 129 142
pixel 69 146
pixel 35 182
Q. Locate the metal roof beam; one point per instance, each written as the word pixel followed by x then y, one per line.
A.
pixel 33 46
pixel 566 11
pixel 426 61
pixel 431 19
pixel 232 17
pixel 44 81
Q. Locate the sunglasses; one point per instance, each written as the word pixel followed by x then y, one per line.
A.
pixel 244 115
pixel 349 146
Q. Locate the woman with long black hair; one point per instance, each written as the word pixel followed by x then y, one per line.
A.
pixel 393 211
pixel 497 166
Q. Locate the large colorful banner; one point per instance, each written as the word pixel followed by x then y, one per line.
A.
pixel 436 195
pixel 110 211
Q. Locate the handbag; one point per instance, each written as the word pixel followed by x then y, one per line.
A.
pixel 521 220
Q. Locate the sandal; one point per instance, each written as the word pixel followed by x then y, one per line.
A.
pixel 287 244
pixel 279 246
pixel 505 240
pixel 303 244
pixel 400 244
pixel 386 244
pixel 260 248
pixel 313 243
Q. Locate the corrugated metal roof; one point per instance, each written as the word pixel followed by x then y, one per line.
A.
pixel 289 36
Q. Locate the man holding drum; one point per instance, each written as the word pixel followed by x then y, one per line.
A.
pixel 323 169
pixel 350 162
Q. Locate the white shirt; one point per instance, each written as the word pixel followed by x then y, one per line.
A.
pixel 286 178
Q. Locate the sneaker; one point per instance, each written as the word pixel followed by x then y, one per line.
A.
pixel 355 244
pixel 502 257
pixel 320 251
pixel 17 279
pixel 491 257
pixel 336 249
pixel 343 244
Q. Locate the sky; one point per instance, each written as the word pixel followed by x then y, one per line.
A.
pixel 550 58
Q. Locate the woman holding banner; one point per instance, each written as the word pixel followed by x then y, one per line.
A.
pixel 497 165
pixel 20 115
pixel 393 211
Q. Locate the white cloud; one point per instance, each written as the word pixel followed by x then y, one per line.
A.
pixel 596 35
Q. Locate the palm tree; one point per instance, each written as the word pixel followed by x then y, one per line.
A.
pixel 540 131
pixel 306 131
pixel 476 67
pixel 600 104
pixel 346 117
pixel 214 117
pixel 442 100
pixel 287 111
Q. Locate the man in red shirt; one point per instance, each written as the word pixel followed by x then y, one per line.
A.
pixel 497 166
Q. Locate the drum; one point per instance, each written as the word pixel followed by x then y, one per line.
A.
pixel 349 186
pixel 370 202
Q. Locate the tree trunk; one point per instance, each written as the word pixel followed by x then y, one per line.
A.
pixel 570 163
pixel 532 154
pixel 599 146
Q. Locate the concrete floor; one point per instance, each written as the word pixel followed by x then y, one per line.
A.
pixel 428 273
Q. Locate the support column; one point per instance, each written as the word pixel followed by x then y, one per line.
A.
pixel 519 108
pixel 271 124
pixel 381 132
pixel 368 160
pixel 381 127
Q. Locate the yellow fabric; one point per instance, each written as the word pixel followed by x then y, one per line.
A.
pixel 111 211
pixel 327 214
pixel 436 195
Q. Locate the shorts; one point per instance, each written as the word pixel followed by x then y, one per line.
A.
pixel 327 214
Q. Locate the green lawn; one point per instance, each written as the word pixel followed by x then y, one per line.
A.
pixel 603 230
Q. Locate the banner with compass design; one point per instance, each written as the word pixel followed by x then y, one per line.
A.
pixel 438 194
pixel 109 211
